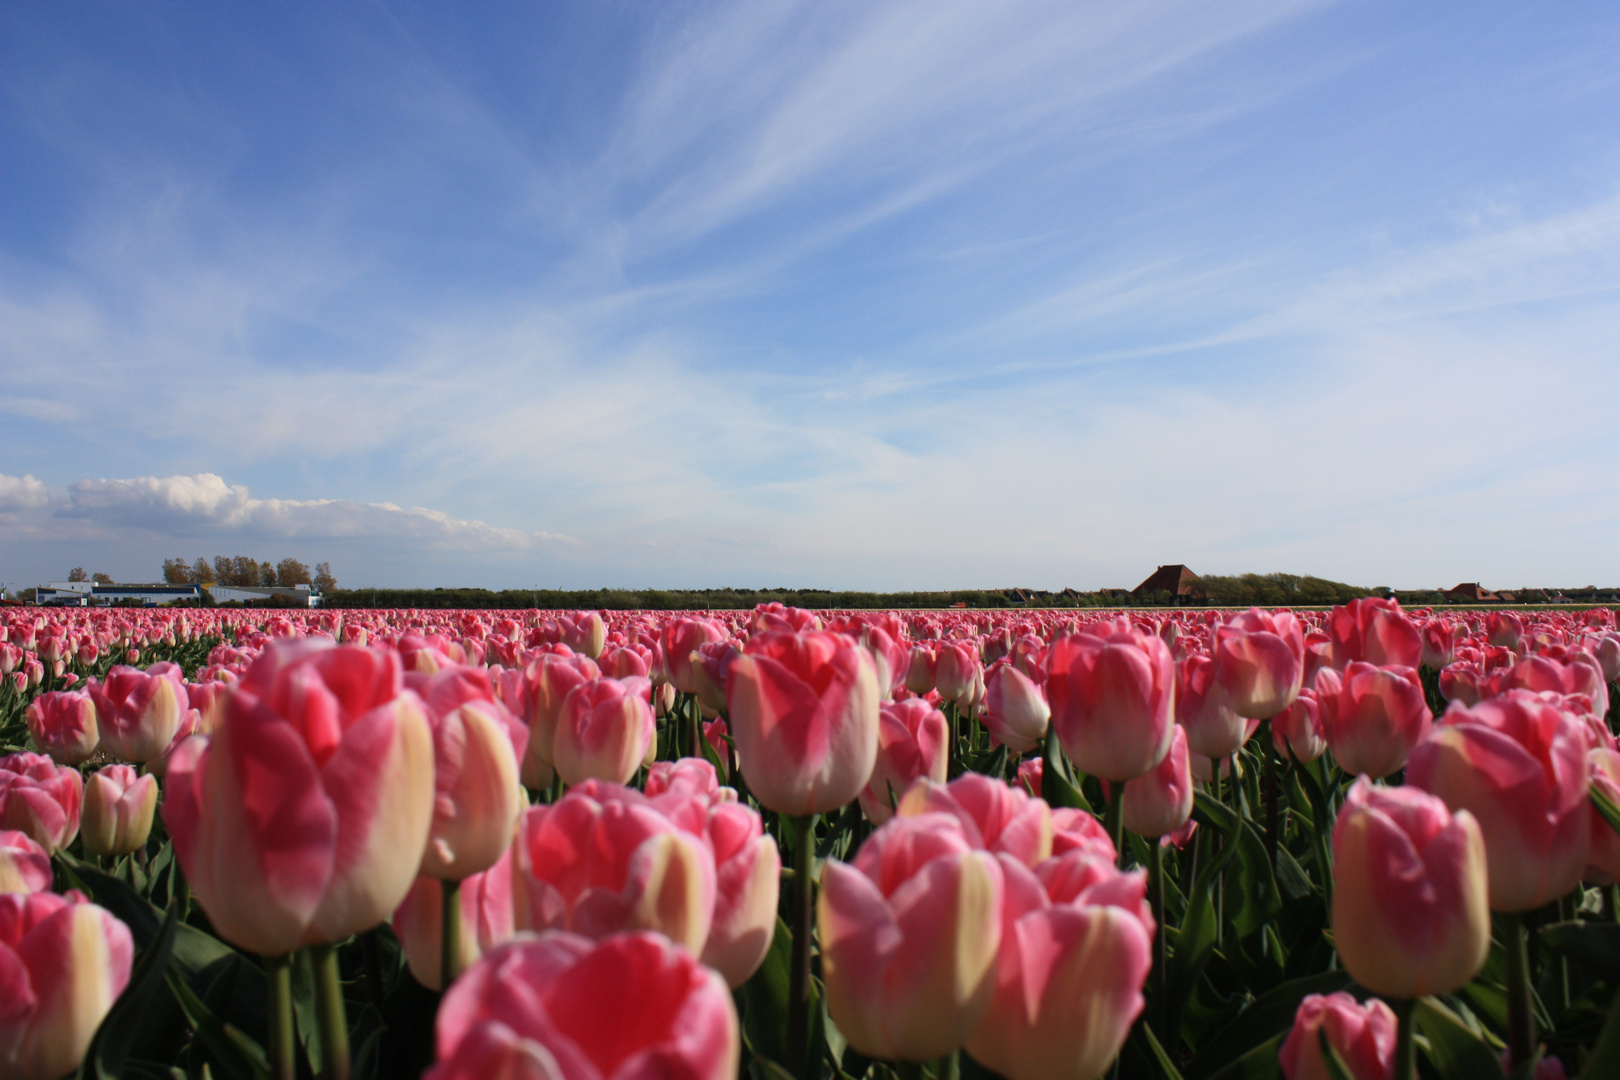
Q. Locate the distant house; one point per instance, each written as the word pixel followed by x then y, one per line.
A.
pixel 1181 583
pixel 1469 593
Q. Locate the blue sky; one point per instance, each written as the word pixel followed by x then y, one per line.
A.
pixel 876 295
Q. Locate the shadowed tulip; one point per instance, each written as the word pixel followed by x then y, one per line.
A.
pixel 546 685
pixel 1374 631
pixel 1015 710
pixel 303 819
pixel 1603 858
pixel 1160 801
pixel 1204 708
pixel 920 669
pixel 956 664
pixel 1297 731
pixel 1113 701
pixel 1259 660
pixel 1411 915
pixel 632 1007
pixel 680 639
pixel 63 725
pixel 909 936
pixel 63 962
pixel 1372 717
pixel 1518 763
pixel 1363 1035
pixel 912 738
pixel 118 809
pixel 804 714
pixel 486 920
pixel 605 731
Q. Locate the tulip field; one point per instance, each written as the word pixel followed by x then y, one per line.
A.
pixel 1035 844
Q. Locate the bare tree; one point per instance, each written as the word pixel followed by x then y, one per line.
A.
pixel 78 574
pixel 101 579
pixel 324 581
pixel 201 572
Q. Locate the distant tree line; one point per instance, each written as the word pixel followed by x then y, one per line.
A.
pixel 659 599
pixel 1279 590
pixel 246 572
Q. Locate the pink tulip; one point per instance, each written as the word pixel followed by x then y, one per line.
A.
pixel 1459 681
pixel 1076 950
pixel 1015 711
pixel 1160 801
pixel 485 904
pixel 140 711
pixel 604 731
pixel 1374 631
pixel 63 725
pixel 40 799
pixel 912 739
pixel 626 661
pixel 63 962
pixel 118 809
pixel 1297 732
pixel 1518 763
pixel 1259 660
pixel 921 668
pixel 1113 701
pixel 711 670
pixel 1504 628
pixel 605 858
pixel 632 1007
pixel 748 866
pixel 1205 709
pixel 804 714
pixel 477 745
pixel 1411 915
pixel 909 936
pixel 586 633
pixel 1439 643
pixel 1362 1034
pixel 25 866
pixel 681 638
pixel 955 667
pixel 1603 858
pixel 10 657
pixel 547 682
pixel 995 817
pixel 208 698
pixel 1372 717
pixel 303 819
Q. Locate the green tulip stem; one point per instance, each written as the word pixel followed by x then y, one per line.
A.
pixel 696 749
pixel 333 1019
pixel 283 1064
pixel 1161 952
pixel 1116 819
pixel 449 934
pixel 909 1070
pixel 949 1067
pixel 1405 1045
pixel 798 1027
pixel 1049 767
pixel 1521 1019
pixel 1272 791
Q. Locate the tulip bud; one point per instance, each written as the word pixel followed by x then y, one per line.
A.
pixel 1372 717
pixel 1113 701
pixel 1161 801
pixel 1362 1035
pixel 604 731
pixel 1016 711
pixel 118 809
pixel 1259 660
pixel 485 904
pixel 140 711
pixel 804 713
pixel 1410 910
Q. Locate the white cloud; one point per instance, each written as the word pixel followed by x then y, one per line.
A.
pixel 204 505
pixel 20 493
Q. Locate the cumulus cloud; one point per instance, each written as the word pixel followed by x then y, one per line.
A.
pixel 204 504
pixel 18 493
